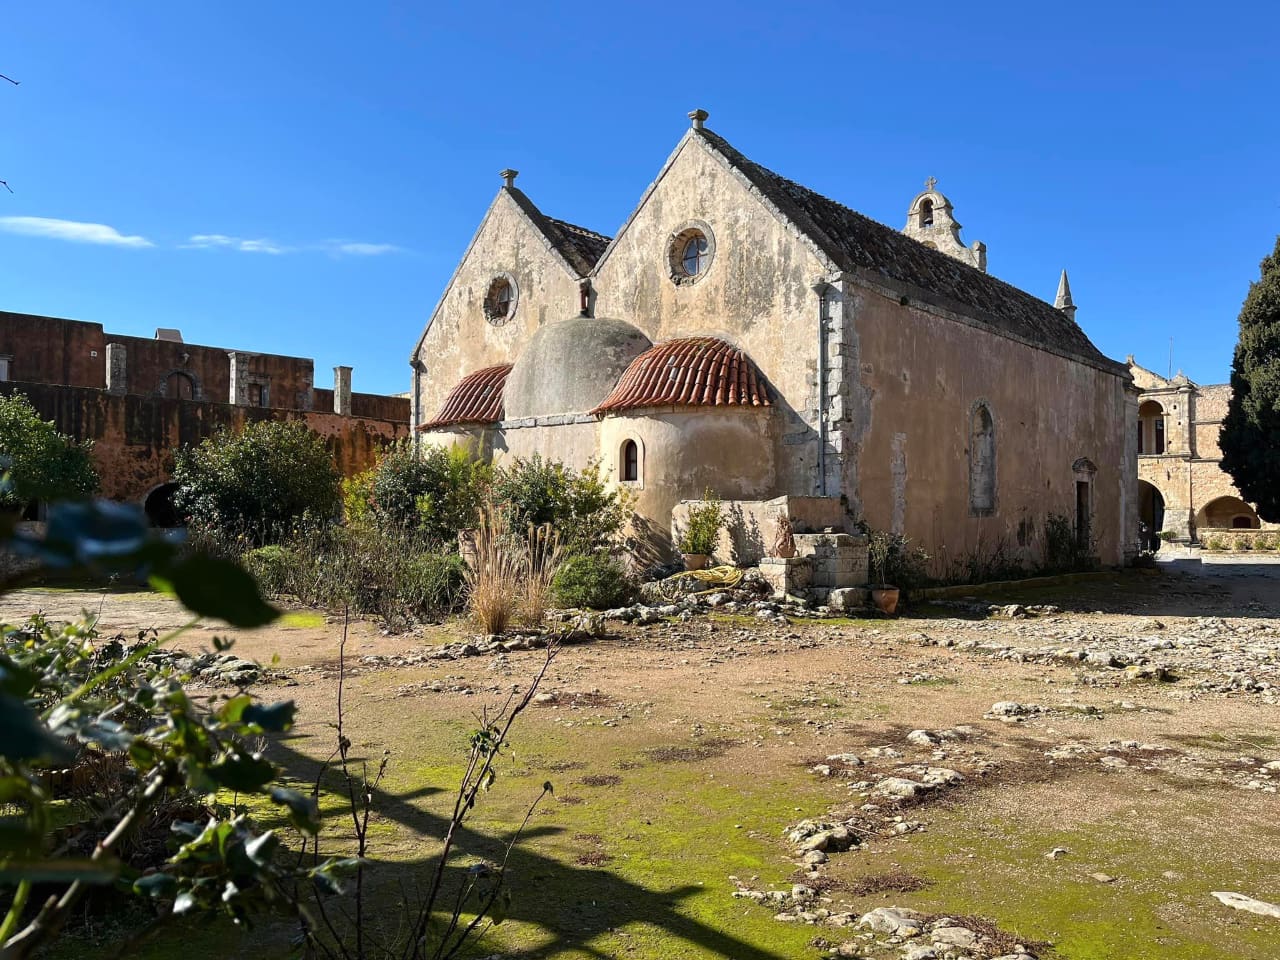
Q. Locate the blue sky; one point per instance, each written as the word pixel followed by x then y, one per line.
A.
pixel 302 178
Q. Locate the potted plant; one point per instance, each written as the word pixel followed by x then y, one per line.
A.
pixel 879 548
pixel 701 532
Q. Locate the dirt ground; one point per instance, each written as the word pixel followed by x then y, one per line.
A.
pixel 1084 778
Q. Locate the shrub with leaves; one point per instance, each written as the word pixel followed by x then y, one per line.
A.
pixel 42 464
pixel 1064 551
pixel 596 581
pixel 495 573
pixel 703 525
pixel 67 698
pixel 257 482
pixel 585 511
pixel 435 492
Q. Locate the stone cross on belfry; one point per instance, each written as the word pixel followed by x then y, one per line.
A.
pixel 931 183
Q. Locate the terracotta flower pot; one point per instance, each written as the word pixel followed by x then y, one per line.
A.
pixel 695 561
pixel 885 599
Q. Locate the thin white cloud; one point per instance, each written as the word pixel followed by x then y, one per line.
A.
pixel 209 241
pixel 71 230
pixel 364 249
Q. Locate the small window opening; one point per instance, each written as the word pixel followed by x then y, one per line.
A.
pixel 1241 523
pixel 630 461
pixel 693 258
pixel 499 302
pixel 1160 435
pixel 4 368
pixel 926 212
pixel 257 395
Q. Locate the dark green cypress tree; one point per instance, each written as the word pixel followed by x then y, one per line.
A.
pixel 1251 431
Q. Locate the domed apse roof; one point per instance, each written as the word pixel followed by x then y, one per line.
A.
pixel 689 372
pixel 476 399
pixel 569 366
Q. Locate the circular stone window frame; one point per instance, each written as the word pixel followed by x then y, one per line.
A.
pixel 676 243
pixel 512 304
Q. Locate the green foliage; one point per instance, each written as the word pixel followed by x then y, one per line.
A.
pixel 368 569
pixel 1063 549
pixel 1250 438
pixel 42 463
pixel 257 482
pixel 1168 536
pixel 435 492
pixel 596 581
pixel 893 562
pixel 587 514
pixel 702 529
pixel 1215 543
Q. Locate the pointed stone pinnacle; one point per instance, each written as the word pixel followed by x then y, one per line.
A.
pixel 1063 300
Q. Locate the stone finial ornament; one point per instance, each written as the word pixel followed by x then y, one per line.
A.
pixel 1063 300
pixel 698 117
pixel 509 176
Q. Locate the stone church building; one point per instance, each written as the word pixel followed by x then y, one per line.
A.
pixel 741 333
pixel 1182 487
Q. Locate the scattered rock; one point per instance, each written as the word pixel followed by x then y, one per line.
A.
pixel 1238 901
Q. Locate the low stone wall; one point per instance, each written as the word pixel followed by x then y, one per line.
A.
pixel 1229 538
pixel 751 526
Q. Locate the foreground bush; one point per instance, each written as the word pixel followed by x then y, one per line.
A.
pixel 369 570
pixel 435 492
pixel 258 482
pixel 595 581
pixel 586 513
pixel 42 463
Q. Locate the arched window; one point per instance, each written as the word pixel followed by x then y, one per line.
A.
pixel 982 462
pixel 1151 439
pixel 926 212
pixel 629 462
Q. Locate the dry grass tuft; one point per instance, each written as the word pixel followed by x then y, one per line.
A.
pixel 493 578
pixel 543 553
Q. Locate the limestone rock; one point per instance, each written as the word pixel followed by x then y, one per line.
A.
pixel 1238 901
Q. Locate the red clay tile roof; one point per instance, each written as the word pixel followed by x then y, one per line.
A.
pixel 476 399
pixel 688 372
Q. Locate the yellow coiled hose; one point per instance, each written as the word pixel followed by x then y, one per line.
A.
pixel 714 579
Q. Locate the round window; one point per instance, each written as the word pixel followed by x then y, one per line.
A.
pixel 500 301
pixel 691 251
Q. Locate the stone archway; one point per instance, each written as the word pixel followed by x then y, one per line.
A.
pixel 1227 513
pixel 159 507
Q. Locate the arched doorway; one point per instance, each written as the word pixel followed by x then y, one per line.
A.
pixel 1150 515
pixel 158 505
pixel 1227 513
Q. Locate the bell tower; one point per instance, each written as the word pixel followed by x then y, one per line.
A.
pixel 932 221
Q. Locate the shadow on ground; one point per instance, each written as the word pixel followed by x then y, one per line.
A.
pixel 572 905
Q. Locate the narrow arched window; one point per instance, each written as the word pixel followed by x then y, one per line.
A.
pixel 926 212
pixel 630 461
pixel 982 462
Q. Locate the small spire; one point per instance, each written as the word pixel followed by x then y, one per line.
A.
pixel 509 176
pixel 698 117
pixel 1063 300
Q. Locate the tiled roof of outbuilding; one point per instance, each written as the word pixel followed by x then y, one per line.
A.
pixel 476 399
pixel 688 372
pixel 855 242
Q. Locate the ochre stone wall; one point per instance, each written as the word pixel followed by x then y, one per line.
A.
pixel 135 437
pixel 53 350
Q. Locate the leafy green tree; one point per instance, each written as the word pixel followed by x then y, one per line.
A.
pixel 256 482
pixel 587 514
pixel 1250 437
pixel 435 492
pixel 43 464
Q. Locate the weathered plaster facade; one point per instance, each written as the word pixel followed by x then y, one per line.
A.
pixel 1183 488
pixel 878 355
